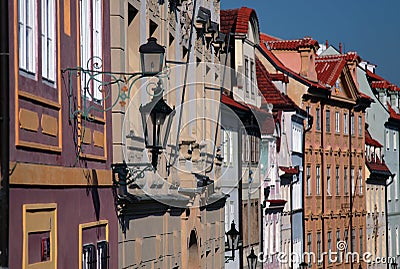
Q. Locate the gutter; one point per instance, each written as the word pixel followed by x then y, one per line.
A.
pixel 387 218
pixel 4 134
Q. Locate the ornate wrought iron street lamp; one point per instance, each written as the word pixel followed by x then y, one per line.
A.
pixel 233 240
pixel 154 115
pixel 252 260
pixel 151 57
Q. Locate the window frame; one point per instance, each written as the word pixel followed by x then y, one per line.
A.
pixel 345 124
pixel 328 120
pixel 90 27
pixel 27 46
pixel 318 119
pixel 337 183
pixel 337 122
pixel 48 38
pixel 328 181
pixel 318 179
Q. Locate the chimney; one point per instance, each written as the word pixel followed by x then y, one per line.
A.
pixel 340 48
pixel 327 43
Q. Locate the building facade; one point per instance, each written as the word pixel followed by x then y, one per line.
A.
pixel 61 200
pixel 284 177
pixel 172 217
pixel 385 111
pixel 243 100
pixel 377 176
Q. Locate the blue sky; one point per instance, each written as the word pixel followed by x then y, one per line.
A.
pixel 371 28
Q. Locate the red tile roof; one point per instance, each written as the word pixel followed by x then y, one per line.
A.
pixel 227 100
pixel 292 44
pixel 392 113
pixel 271 94
pixel 281 67
pixel 378 82
pixel 289 170
pixel 329 69
pixel 236 20
pixel 377 166
pixel 370 141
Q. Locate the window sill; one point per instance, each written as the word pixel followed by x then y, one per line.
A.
pixel 27 74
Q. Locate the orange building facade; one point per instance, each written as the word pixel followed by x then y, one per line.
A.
pixel 334 190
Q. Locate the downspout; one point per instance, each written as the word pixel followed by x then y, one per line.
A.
pixel 351 187
pixel 309 127
pixel 322 179
pixel 387 218
pixel 291 217
pixel 240 198
pixel 5 130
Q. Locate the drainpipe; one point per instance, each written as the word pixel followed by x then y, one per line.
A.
pixel 387 218
pixel 5 140
pixel 309 127
pixel 323 181
pixel 291 216
pixel 240 198
pixel 351 187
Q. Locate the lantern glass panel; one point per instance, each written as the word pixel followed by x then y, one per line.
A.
pixel 152 63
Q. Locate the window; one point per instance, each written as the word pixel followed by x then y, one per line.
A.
pixel 297 138
pixel 337 180
pixel 308 116
pixel 353 239
pixel 394 141
pixel 396 186
pixel 390 249
pixel 91 24
pixel 102 255
pixel 387 140
pixel 318 180
pixel 346 236
pixel 360 129
pixel 318 120
pixel 309 248
pixel 345 124
pixel 361 242
pixel 353 187
pixel 48 39
pixel 328 121
pixel 329 244
pixel 352 124
pixel 227 142
pixel 360 181
pixel 328 181
pixel 252 77
pixel 89 257
pixel 337 122
pixel 308 171
pixel 246 73
pixel 319 248
pixel 337 243
pixel 345 183
pixel 397 241
pixel 27 34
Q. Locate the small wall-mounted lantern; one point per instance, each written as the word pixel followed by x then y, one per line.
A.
pixel 151 57
pixel 252 260
pixel 154 115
